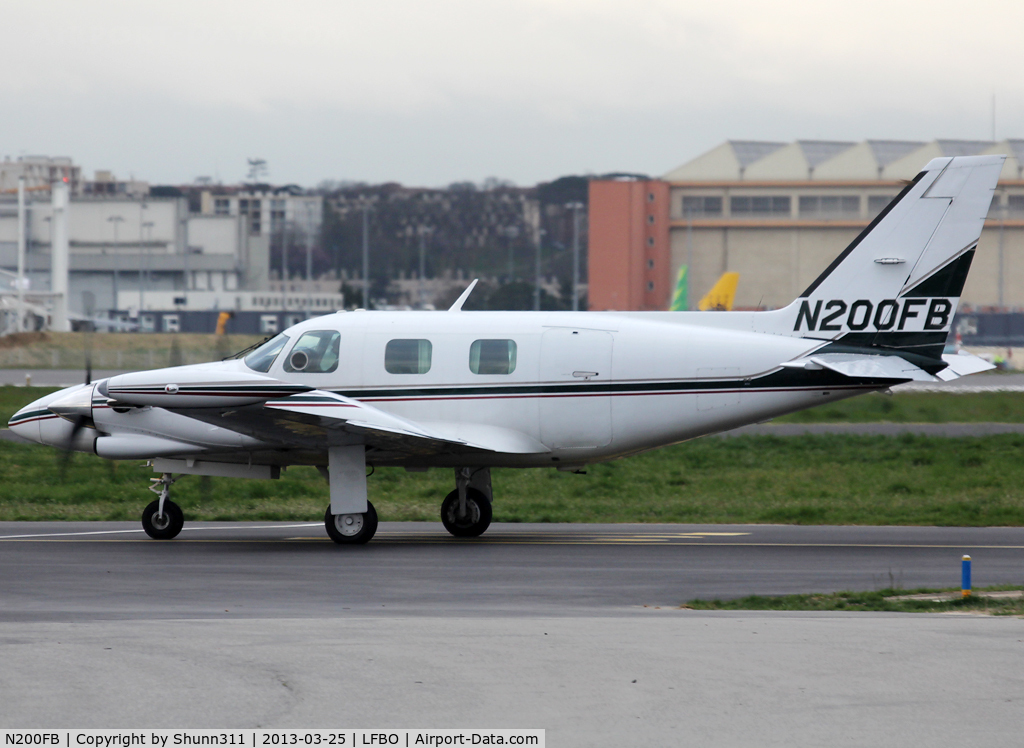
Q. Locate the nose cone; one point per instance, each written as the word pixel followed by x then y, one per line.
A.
pixel 30 420
pixel 25 423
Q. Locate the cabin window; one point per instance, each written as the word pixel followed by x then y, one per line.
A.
pixel 315 353
pixel 263 357
pixel 407 356
pixel 492 356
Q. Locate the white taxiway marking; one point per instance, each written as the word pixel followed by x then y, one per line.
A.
pixel 184 529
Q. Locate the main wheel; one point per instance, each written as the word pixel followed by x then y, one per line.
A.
pixel 351 529
pixel 478 514
pixel 162 527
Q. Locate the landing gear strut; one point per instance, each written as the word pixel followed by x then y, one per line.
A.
pixel 162 519
pixel 466 511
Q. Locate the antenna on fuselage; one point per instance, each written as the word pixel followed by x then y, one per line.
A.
pixel 457 306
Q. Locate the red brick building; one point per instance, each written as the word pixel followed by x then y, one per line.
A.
pixel 629 254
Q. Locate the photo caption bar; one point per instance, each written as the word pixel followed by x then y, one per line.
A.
pixel 259 738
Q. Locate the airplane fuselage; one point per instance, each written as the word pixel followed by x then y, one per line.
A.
pixel 581 387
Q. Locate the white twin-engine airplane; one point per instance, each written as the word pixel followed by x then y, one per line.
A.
pixel 476 390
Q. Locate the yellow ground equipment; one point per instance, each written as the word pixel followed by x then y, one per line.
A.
pixel 222 321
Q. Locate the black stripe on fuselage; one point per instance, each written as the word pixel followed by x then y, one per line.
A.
pixel 30 415
pixel 783 379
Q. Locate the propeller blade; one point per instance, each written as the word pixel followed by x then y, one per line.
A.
pixel 67 454
pixel 88 358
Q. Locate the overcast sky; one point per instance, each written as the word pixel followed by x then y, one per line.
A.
pixel 432 92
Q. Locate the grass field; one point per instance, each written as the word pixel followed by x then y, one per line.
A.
pixel 917 407
pixel 879 600
pixel 907 480
pixel 67 350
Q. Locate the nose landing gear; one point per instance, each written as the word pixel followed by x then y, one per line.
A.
pixel 466 511
pixel 162 519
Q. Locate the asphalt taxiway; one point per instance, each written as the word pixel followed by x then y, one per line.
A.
pixel 71 571
pixel 576 629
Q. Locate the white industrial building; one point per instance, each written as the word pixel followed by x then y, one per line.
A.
pixel 133 245
pixel 778 213
pixel 130 251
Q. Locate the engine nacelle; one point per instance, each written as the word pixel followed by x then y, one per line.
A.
pixel 140 447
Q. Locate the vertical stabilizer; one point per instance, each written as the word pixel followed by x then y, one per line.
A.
pixel 898 284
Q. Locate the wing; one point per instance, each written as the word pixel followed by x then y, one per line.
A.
pixel 318 419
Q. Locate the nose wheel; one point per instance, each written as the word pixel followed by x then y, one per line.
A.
pixel 466 512
pixel 351 529
pixel 162 519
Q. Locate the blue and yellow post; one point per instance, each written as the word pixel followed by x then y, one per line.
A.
pixel 965 576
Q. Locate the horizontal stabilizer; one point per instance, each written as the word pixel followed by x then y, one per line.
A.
pixel 860 366
pixel 961 364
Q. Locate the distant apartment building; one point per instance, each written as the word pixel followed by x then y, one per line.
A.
pixel 267 211
pixel 778 214
pixel 105 184
pixel 39 172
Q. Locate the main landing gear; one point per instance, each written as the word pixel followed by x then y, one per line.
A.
pixel 351 529
pixel 162 519
pixel 350 518
pixel 466 511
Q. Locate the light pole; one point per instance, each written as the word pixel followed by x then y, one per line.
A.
pixel 511 234
pixel 309 257
pixel 142 280
pixel 115 220
pixel 423 231
pixel 148 226
pixel 689 254
pixel 575 208
pixel 1002 223
pixel 285 241
pixel 19 327
pixel 366 254
pixel 536 287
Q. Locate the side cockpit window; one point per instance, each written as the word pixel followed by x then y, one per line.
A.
pixel 407 356
pixel 316 352
pixel 492 356
pixel 263 357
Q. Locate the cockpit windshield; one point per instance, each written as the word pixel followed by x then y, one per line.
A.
pixel 263 357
